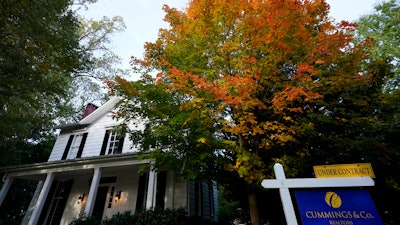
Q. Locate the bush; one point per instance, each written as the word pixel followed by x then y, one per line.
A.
pixel 155 216
pixel 161 217
pixel 86 220
pixel 125 218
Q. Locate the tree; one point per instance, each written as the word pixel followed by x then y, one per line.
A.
pixel 39 48
pixel 383 26
pixel 272 81
pixel 101 63
pixel 51 64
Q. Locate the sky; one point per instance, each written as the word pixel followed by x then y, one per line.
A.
pixel 143 19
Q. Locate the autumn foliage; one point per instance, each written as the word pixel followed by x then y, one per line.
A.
pixel 279 79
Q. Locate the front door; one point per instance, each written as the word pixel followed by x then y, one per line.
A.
pixel 100 202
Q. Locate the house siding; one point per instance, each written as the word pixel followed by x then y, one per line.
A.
pixel 59 147
pixel 75 207
pixel 94 140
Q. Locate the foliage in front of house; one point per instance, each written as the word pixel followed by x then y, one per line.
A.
pixel 143 217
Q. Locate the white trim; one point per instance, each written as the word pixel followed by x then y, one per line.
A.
pixel 41 200
pixel 74 164
pixel 93 191
pixel 5 188
pixel 108 106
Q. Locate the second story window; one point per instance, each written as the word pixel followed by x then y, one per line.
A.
pixel 112 142
pixel 74 146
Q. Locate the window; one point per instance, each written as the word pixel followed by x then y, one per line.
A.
pixel 76 142
pixel 112 142
pixel 74 146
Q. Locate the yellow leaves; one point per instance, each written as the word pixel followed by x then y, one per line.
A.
pixel 249 166
pixel 278 133
pixel 202 140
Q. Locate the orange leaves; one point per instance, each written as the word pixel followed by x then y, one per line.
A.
pixel 256 69
pixel 286 99
pixel 121 85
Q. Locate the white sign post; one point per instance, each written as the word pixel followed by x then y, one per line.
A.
pixel 284 184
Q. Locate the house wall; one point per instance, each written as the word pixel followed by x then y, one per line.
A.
pixel 94 141
pixel 59 147
pixel 180 193
pixel 127 182
pixel 75 207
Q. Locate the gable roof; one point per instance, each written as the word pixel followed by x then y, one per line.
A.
pixel 108 106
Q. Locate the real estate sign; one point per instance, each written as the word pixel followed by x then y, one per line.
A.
pixel 344 170
pixel 337 207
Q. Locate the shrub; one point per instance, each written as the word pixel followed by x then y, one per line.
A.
pixel 161 217
pixel 86 220
pixel 125 218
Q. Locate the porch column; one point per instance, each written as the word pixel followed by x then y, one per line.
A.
pixel 5 188
pixel 32 204
pixel 93 191
pixel 41 199
pixel 151 190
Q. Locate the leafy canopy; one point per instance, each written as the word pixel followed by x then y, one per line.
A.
pixel 271 81
pixel 263 72
pixel 382 25
pixel 48 56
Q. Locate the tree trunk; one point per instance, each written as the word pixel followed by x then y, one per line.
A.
pixel 253 207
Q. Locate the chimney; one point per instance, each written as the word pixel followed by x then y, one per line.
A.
pixel 89 109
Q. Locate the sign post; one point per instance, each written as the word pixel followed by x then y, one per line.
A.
pixel 284 184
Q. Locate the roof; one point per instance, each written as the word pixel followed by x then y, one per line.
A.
pixel 108 106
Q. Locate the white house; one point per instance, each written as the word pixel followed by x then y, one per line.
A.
pixel 93 170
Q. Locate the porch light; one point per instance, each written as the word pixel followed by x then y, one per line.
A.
pixel 81 197
pixel 117 196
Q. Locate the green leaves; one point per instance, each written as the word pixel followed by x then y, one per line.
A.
pixel 383 27
pixel 38 51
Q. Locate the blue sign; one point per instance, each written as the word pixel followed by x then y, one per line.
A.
pixel 337 207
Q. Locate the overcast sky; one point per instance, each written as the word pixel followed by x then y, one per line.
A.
pixel 143 18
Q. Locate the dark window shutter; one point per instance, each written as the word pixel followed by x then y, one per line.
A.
pixel 120 144
pixel 140 201
pixel 81 145
pixel 160 189
pixel 105 142
pixel 65 154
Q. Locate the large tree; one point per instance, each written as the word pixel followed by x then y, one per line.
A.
pixel 52 63
pixel 101 62
pixel 39 48
pixel 383 25
pixel 255 83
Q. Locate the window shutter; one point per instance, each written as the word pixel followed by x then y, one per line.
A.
pixel 66 150
pixel 82 144
pixel 160 189
pixel 120 144
pixel 142 189
pixel 105 142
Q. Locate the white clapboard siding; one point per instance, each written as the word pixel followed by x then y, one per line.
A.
pixel 58 148
pixel 96 131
